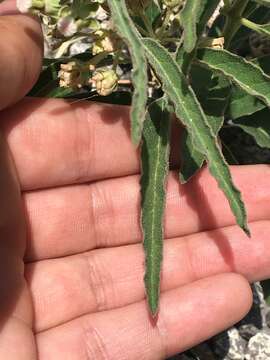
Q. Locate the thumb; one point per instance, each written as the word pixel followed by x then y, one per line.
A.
pixel 21 49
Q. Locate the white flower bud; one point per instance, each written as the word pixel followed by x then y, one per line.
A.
pixel 105 42
pixel 67 26
pixel 70 75
pixel 25 6
pixel 101 14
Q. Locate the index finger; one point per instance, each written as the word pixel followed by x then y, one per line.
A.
pixel 21 49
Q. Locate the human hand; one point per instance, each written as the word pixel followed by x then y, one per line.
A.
pixel 80 294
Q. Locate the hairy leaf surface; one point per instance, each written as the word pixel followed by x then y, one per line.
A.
pixel 128 32
pixel 194 18
pixel 188 109
pixel 243 104
pixel 193 25
pixel 258 126
pixel 244 73
pixel 209 7
pixel 155 159
pixel 190 17
pixel 213 97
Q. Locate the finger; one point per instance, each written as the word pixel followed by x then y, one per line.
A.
pixel 74 219
pixel 15 305
pixel 72 143
pixel 21 54
pixel 111 278
pixel 187 316
pixel 8 7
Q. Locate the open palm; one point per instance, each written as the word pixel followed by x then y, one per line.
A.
pixel 71 258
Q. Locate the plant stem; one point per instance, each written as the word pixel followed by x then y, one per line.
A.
pixel 233 20
pixel 249 24
pixel 227 4
pixel 147 24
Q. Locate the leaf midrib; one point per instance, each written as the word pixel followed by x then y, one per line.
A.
pixel 213 163
pixel 153 215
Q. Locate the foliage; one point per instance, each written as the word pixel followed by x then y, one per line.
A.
pixel 205 61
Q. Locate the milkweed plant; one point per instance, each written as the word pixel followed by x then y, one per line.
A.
pixel 176 58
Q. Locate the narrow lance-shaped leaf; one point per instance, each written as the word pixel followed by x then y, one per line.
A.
pixel 258 126
pixel 154 157
pixel 128 32
pixel 190 17
pixel 244 73
pixel 191 159
pixel 210 7
pixel 188 109
pixel 262 29
pixel 241 103
pixel 213 100
pixel 263 2
pixel 193 26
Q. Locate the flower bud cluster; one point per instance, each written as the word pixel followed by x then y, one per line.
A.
pixel 106 40
pixel 105 81
pixel 74 26
pixel 75 75
pixel 66 22
pixel 71 75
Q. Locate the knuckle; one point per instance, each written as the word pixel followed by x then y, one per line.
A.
pixel 100 282
pixel 84 144
pixel 94 343
pixel 102 214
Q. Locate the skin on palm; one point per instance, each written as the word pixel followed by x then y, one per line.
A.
pixel 86 285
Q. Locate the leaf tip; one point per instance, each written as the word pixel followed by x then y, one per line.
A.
pixel 182 178
pixel 153 307
pixel 247 231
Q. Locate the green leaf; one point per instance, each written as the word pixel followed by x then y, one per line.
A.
pixel 213 96
pixel 82 9
pixel 244 73
pixel 258 126
pixel 190 17
pixel 152 12
pixel 188 109
pixel 127 30
pixel 262 29
pixel 209 8
pixel 264 63
pixel 183 56
pixel 155 159
pixel 243 104
pixel 263 2
pixel 194 18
